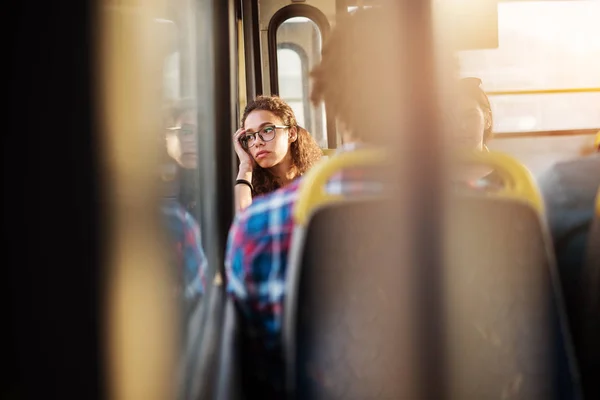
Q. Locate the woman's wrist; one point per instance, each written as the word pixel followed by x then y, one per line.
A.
pixel 245 172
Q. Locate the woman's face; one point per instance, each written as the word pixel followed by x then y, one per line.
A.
pixel 471 125
pixel 273 147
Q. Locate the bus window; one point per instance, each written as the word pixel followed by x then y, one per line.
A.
pixel 544 74
pixel 298 50
pixel 293 81
pixel 171 83
pixel 179 173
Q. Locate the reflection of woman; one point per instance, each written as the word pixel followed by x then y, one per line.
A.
pixel 187 256
pixel 182 147
pixel 475 130
pixel 272 148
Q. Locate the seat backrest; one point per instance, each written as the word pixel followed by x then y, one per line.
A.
pixel 507 328
pixel 339 340
pixel 504 311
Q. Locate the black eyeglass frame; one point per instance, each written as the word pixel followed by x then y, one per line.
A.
pixel 260 133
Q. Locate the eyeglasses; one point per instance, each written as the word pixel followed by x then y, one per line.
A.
pixel 266 134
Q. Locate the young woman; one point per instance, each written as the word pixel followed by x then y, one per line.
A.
pixel 272 148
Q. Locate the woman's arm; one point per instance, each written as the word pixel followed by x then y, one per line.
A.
pixel 243 193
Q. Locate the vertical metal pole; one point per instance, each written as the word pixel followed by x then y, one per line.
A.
pixel 420 83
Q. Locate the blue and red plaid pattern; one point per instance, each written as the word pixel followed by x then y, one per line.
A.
pixel 188 255
pixel 258 248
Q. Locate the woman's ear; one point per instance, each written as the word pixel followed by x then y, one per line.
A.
pixel 293 135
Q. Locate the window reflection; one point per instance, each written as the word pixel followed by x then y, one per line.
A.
pixel 179 174
pixel 180 200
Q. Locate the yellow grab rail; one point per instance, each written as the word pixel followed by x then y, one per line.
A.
pixel 312 192
pixel 518 181
pixel 541 91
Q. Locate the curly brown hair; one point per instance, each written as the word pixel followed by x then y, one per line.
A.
pixel 304 150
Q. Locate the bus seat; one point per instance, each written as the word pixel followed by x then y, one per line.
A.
pixel 518 180
pixel 506 325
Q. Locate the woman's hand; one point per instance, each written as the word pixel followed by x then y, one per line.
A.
pixel 246 161
pixel 243 194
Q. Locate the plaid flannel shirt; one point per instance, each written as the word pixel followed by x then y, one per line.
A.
pixel 257 253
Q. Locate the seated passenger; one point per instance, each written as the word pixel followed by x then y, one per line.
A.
pixel 272 148
pixel 353 78
pixel 569 189
pixel 474 131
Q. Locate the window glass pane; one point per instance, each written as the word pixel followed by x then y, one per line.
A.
pixel 171 76
pixel 546 112
pixel 291 81
pixel 298 50
pixel 542 45
pixel 178 172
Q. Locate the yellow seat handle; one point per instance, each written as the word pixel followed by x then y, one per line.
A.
pixel 312 191
pixel 518 181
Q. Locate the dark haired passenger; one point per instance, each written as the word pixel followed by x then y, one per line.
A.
pixel 355 79
pixel 272 148
pixel 473 116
